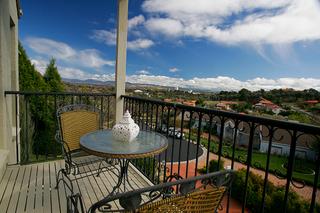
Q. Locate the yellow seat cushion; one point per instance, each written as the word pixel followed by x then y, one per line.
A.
pixel 206 200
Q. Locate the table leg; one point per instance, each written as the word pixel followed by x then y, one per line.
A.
pixel 123 177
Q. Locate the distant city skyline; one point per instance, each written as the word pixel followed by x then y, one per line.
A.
pixel 204 44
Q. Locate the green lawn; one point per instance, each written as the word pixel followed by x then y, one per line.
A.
pixel 259 161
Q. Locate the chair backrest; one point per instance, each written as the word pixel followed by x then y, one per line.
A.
pixel 75 121
pixel 196 194
pixel 205 200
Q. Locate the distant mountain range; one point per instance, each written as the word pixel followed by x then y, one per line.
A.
pixel 110 83
pixel 89 81
pixel 131 85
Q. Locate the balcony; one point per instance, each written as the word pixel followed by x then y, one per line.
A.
pixel 31 188
pixel 277 162
pixel 283 154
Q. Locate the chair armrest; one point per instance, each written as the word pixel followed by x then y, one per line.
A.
pixel 62 142
pixel 64 146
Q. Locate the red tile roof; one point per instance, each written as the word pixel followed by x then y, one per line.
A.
pixel 311 102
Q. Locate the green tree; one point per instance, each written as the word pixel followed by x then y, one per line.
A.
pixel 40 109
pixel 242 107
pixel 200 102
pixel 311 94
pixel 31 107
pixel 52 77
pixel 245 95
pixel 29 78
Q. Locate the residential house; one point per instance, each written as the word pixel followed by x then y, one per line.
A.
pixel 225 105
pixel 265 104
pixel 181 101
pixel 311 102
pixel 281 140
pixel 190 103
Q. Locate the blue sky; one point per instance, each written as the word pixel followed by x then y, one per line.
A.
pixel 199 44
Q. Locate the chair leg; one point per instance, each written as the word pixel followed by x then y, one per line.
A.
pixel 69 205
pixel 63 174
pixel 58 179
pixel 73 202
pixel 100 168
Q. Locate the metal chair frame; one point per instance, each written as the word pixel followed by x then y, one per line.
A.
pixel 71 166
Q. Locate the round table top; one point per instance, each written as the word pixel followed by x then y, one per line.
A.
pixel 101 143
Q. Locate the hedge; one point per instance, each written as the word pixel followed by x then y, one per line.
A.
pixel 274 194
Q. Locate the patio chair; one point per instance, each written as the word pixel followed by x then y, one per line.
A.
pixel 197 194
pixel 74 121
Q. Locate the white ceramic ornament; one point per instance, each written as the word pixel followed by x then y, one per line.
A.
pixel 126 130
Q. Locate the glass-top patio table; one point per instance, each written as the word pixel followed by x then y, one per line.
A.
pixel 101 143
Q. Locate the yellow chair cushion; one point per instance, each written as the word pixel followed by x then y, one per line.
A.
pixel 206 200
pixel 75 124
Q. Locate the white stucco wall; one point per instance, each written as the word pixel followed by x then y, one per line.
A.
pixel 284 149
pixel 8 80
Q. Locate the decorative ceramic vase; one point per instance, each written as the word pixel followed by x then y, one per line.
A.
pixel 126 130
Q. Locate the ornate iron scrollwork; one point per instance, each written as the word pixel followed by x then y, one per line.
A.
pixel 132 200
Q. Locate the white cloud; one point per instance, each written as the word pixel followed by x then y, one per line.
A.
pixel 135 21
pixel 143 72
pixel 110 38
pixel 50 47
pixel 87 57
pixel 217 8
pixel 227 83
pixel 215 83
pixel 105 36
pixel 40 65
pixel 167 26
pixel 260 21
pixel 140 44
pixel 173 69
pixel 73 73
pixel 91 58
pixel 296 83
pixel 65 72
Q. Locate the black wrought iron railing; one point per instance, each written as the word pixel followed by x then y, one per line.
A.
pixel 36 117
pixel 284 154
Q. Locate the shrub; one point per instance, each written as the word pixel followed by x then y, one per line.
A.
pixel 213 165
pixel 273 198
pixel 294 202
